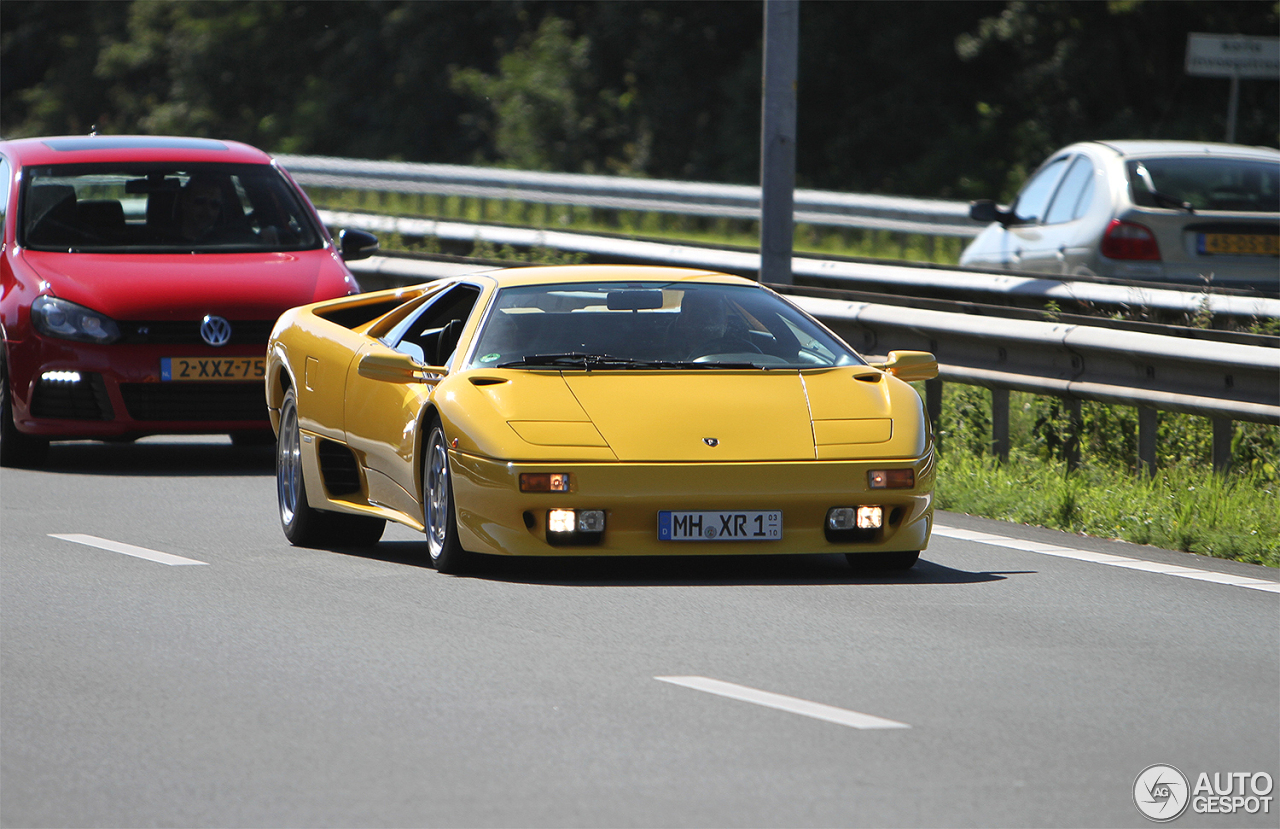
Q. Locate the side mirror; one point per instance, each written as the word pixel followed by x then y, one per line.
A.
pixel 356 244
pixel 395 367
pixel 910 366
pixel 987 211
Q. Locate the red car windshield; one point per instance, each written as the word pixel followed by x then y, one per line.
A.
pixel 162 208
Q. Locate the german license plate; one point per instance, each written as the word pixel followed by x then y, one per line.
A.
pixel 1240 244
pixel 720 525
pixel 212 368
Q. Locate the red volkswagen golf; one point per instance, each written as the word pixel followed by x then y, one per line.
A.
pixel 141 276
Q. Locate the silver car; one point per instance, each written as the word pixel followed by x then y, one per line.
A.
pixel 1166 211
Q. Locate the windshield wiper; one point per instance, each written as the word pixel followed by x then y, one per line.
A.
pixel 577 359
pixel 1162 199
pixel 727 364
pixel 568 359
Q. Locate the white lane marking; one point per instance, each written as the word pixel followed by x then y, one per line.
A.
pixel 127 549
pixel 805 708
pixel 1105 558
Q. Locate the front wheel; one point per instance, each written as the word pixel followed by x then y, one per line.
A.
pixel 438 512
pixel 17 449
pixel 303 525
pixel 883 562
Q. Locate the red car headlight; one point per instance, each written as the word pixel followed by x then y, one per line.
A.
pixel 65 320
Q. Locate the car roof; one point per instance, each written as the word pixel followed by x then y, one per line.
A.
pixel 80 149
pixel 560 274
pixel 1141 148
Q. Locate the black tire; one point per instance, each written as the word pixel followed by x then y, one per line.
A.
pixel 303 525
pixel 257 437
pixel 439 516
pixel 883 562
pixel 17 449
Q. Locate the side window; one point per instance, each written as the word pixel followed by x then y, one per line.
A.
pixel 431 335
pixel 1074 195
pixel 1035 194
pixel 4 188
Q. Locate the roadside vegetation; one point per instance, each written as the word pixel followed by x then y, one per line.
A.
pixel 1185 506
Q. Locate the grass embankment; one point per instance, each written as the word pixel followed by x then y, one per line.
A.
pixel 1186 506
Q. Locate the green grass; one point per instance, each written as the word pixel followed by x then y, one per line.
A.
pixel 1185 506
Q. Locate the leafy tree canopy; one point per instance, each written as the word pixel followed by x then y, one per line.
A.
pixel 945 99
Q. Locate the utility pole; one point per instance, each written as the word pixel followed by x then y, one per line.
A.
pixel 778 140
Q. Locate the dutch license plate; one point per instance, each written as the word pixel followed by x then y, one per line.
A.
pixel 1240 244
pixel 720 525
pixel 212 368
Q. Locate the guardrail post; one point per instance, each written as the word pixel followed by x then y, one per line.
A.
pixel 933 408
pixel 1223 431
pixel 1071 447
pixel 1000 424
pixel 1147 425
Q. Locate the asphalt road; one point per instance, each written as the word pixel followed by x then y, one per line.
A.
pixel 1025 678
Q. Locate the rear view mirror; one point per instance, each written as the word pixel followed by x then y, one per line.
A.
pixel 153 183
pixel 634 300
pixel 987 211
pixel 910 366
pixel 356 244
pixel 395 367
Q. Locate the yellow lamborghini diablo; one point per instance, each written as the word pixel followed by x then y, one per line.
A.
pixel 595 410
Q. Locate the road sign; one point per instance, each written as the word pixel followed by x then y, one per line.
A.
pixel 1233 56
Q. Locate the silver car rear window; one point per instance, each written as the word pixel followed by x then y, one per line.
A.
pixel 1207 183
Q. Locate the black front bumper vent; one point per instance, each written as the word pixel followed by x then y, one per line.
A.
pixel 201 402
pixel 83 399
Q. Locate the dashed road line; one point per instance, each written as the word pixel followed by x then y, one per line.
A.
pixel 1106 558
pixel 816 710
pixel 126 549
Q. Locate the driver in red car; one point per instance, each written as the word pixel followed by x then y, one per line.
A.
pixel 199 208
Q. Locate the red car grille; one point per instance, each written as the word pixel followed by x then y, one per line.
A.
pixel 195 401
pixel 187 332
pixel 84 399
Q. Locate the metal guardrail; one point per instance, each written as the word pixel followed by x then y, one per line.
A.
pixel 930 217
pixel 1222 380
pixel 1226 381
pixel 903 278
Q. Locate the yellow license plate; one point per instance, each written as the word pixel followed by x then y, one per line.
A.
pixel 1240 244
pixel 206 369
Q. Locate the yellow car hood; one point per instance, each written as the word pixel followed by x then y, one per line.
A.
pixel 705 416
pixel 701 416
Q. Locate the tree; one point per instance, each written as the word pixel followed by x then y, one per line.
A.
pixel 927 98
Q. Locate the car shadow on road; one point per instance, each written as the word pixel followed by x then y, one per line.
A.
pixel 161 459
pixel 680 571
